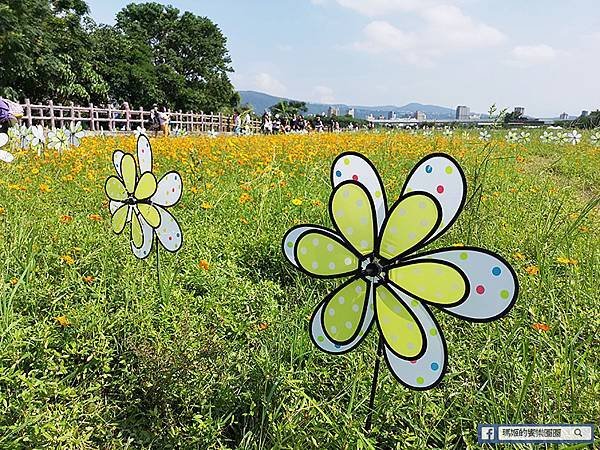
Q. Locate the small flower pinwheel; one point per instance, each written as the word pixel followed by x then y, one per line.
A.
pixel 5 156
pixel 135 196
pixel 388 284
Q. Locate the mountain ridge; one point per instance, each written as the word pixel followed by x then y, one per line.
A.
pixel 261 101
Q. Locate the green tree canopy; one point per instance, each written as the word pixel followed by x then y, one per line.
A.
pixel 288 108
pixel 51 49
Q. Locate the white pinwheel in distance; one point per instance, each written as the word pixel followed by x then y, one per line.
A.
pixel 387 283
pixel 140 131
pixel 595 139
pixel 19 137
pixel 76 133
pixel 37 139
pixel 572 137
pixel 484 135
pixel 523 137
pixel 5 156
pixel 547 136
pixel 448 132
pixel 512 136
pixel 135 196
pixel 59 139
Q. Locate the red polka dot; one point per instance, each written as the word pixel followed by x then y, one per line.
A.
pixel 355 177
pixel 440 189
pixel 414 361
pixel 170 238
pixel 173 190
pixel 480 289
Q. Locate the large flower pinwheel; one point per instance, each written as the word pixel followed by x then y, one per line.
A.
pixel 76 133
pixel 135 196
pixel 388 283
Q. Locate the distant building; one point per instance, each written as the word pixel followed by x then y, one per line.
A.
pixel 381 117
pixel 474 116
pixel 520 110
pixel 420 115
pixel 392 115
pixel 333 111
pixel 351 112
pixel 370 117
pixel 585 113
pixel 564 116
pixel 462 112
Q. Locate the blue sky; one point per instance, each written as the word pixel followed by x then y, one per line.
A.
pixel 544 55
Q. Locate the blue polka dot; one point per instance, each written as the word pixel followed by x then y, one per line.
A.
pixel 496 271
pixel 428 169
pixel 435 366
pixel 337 346
pixel 338 173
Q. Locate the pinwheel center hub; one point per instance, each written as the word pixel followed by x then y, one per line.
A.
pixel 131 200
pixel 373 269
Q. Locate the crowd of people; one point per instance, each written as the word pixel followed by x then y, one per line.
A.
pixel 297 123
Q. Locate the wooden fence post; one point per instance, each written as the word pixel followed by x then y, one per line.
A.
pixel 110 118
pixel 92 124
pixel 51 107
pixel 127 117
pixel 141 117
pixel 28 111
pixel 72 112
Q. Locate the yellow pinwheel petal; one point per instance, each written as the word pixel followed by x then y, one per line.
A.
pixel 352 212
pixel 119 219
pixel 129 172
pixel 136 231
pixel 411 220
pixel 146 186
pixel 150 214
pixel 343 313
pixel 323 256
pixel 431 281
pixel 401 331
pixel 115 190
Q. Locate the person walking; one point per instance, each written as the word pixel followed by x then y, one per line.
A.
pixel 237 123
pixel 164 117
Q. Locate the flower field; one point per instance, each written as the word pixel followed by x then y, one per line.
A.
pixel 96 353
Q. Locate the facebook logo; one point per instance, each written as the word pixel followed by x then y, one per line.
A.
pixel 487 434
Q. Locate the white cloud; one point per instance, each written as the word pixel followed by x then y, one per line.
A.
pixel 267 83
pixel 440 29
pixel 374 8
pixel 323 94
pixel 529 55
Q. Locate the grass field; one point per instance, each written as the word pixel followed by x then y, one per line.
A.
pixel 220 356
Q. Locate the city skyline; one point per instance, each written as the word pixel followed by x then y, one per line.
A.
pixel 393 52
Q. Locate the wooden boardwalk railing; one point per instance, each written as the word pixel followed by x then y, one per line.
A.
pixel 125 119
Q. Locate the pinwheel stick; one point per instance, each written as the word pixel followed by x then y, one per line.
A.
pixel 157 263
pixel 369 421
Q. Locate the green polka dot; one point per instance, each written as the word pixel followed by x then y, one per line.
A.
pixel 420 380
pixel 320 338
pixel 290 244
pixel 414 303
pixel 346 161
pixel 464 255
pixel 377 194
pixel 504 294
pixel 433 332
pixel 449 169
pixel 409 189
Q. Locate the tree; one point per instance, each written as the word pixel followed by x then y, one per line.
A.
pixel 288 108
pixel 45 51
pixel 188 52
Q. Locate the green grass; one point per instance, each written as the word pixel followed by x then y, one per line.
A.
pixel 189 366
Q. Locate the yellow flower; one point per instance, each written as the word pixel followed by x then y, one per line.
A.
pixel 206 205
pixel 519 256
pixel 209 185
pixel 35 171
pixel 244 220
pixel 582 228
pixel 245 198
pixel 2 211
pixel 13 281
pixel 297 202
pixel 532 270
pixel 204 264
pixel 567 261
pixel 44 188
pixel 67 259
pixel 62 321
